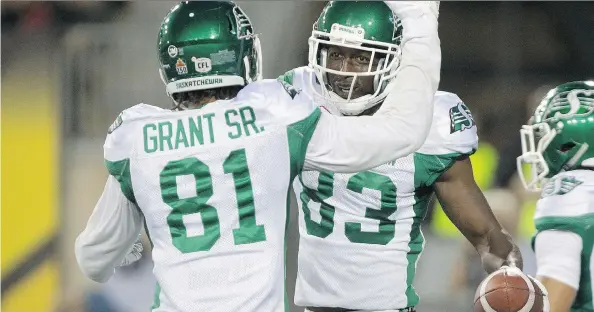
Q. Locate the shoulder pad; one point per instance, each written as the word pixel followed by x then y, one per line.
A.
pixel 453 129
pixel 281 101
pixel 120 136
pixel 568 194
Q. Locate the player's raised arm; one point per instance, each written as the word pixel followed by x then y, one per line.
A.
pixel 410 101
pixel 348 144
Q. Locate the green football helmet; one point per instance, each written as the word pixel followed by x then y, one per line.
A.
pixel 364 25
pixel 207 44
pixel 560 135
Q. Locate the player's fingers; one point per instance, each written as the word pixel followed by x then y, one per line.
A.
pixel 491 263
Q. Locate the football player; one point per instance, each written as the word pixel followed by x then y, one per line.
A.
pixel 558 147
pixel 211 178
pixel 360 234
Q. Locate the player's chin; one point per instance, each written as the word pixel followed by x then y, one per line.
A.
pixel 357 93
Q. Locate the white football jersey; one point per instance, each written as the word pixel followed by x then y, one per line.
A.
pixel 213 185
pixel 360 234
pixel 567 204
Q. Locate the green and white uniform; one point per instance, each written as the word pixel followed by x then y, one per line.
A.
pixel 213 183
pixel 213 186
pixel 360 236
pixel 564 240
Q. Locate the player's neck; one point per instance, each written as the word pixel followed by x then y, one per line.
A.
pixel 202 102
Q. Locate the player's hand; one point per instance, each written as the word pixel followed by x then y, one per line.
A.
pixel 134 254
pixel 415 9
pixel 493 262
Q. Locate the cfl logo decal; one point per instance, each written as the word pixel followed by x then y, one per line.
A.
pixel 202 64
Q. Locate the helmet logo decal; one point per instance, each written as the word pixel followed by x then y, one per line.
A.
pixel 560 186
pixel 202 64
pixel 181 67
pixel 397 22
pixel 346 32
pixel 172 51
pixel 460 118
pixel 118 122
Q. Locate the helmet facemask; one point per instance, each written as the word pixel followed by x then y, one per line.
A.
pixel 384 59
pixel 558 137
pixel 535 139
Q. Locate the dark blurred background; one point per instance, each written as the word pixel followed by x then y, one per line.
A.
pixel 68 68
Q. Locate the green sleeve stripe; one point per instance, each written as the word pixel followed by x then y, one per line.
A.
pixel 300 133
pixel 577 224
pixel 428 168
pixel 121 171
pixel 156 297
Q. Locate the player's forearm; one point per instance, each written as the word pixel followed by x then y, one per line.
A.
pixel 91 261
pixel 111 231
pixel 410 101
pixel 561 296
pixel 466 206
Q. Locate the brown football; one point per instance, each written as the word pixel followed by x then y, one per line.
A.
pixel 510 290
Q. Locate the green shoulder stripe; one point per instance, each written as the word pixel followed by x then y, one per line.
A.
pixel 121 171
pixel 300 134
pixel 577 224
pixel 428 168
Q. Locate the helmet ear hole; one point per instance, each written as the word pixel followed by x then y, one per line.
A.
pixel 564 148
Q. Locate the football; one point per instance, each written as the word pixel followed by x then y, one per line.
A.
pixel 510 290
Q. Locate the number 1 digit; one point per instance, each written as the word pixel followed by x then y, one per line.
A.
pixel 248 231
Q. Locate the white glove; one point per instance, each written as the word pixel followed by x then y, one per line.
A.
pixel 134 254
pixel 419 18
pixel 414 9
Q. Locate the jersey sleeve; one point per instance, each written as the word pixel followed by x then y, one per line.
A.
pixel 558 256
pixel 120 143
pixel 453 130
pixel 111 231
pixel 453 134
pixel 566 204
pixel 322 141
pixel 319 140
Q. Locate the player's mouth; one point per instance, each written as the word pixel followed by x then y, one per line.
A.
pixel 343 90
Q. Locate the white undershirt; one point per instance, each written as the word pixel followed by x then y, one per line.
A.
pixel 558 255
